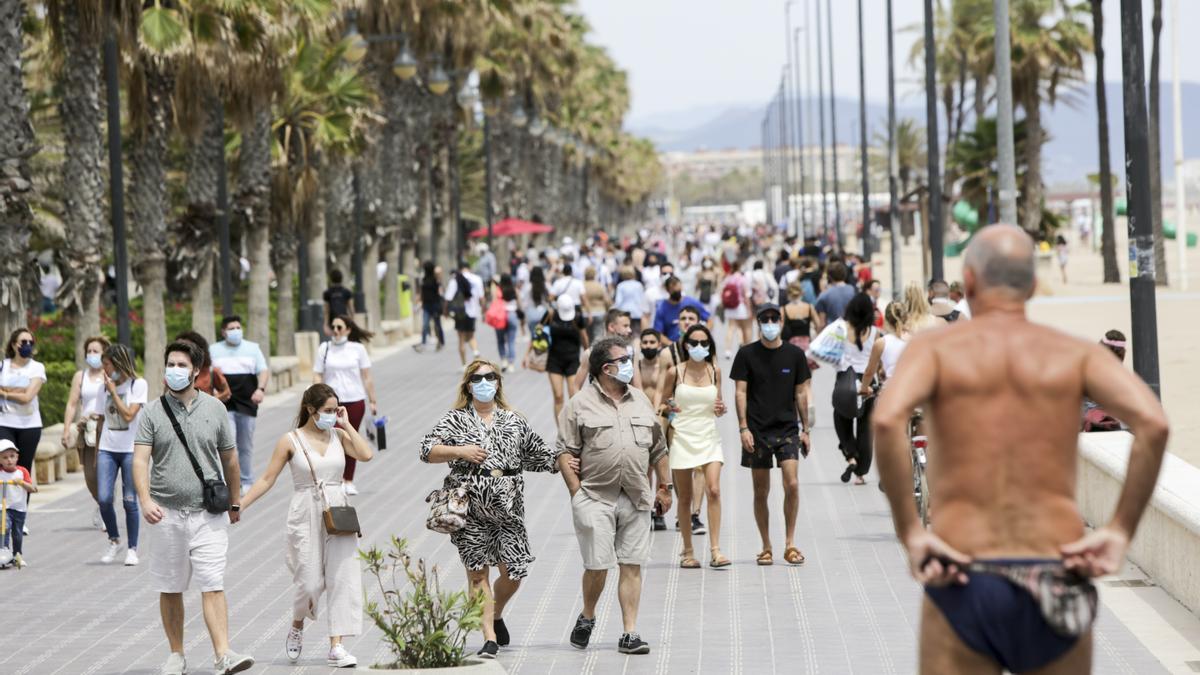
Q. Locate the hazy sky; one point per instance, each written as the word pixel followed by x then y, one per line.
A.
pixel 686 54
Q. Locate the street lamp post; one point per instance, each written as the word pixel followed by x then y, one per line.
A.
pixel 837 207
pixel 862 128
pixel 116 187
pixel 821 113
pixel 893 198
pixel 936 231
pixel 800 137
pixel 1005 152
pixel 1144 321
pixel 487 175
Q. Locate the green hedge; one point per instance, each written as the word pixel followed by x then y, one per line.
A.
pixel 52 399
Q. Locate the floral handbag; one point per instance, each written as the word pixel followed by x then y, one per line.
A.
pixel 447 509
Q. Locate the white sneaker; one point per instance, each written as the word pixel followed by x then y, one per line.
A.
pixel 110 554
pixel 25 530
pixel 97 521
pixel 19 561
pixel 349 488
pixel 175 665
pixel 340 658
pixel 232 662
pixel 293 644
pixel 131 558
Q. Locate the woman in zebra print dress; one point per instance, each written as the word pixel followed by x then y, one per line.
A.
pixel 488 446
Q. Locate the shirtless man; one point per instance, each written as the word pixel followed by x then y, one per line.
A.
pixel 1001 398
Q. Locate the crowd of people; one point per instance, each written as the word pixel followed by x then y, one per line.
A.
pixel 625 331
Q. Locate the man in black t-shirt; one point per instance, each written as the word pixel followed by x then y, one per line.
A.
pixel 339 300
pixel 772 379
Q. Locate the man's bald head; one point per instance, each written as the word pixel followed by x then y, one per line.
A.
pixel 1000 258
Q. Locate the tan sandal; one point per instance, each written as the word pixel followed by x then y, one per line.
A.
pixel 687 561
pixel 793 556
pixel 718 560
pixel 765 558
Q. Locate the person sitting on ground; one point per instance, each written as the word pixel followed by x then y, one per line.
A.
pixel 1095 418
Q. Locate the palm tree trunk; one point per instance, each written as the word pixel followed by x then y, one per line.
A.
pixel 391 282
pixel 148 207
pixel 1108 241
pixel 203 313
pixel 1156 218
pixel 83 173
pixel 1032 189
pixel 285 321
pixel 252 211
pixel 16 146
pixel 371 283
pixel 194 235
pixel 317 280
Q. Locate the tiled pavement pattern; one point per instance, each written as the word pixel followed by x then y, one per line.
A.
pixel 850 609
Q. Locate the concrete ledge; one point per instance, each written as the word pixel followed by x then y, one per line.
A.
pixel 50 460
pixel 395 331
pixel 285 372
pixel 1167 545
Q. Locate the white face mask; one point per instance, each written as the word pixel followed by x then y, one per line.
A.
pixel 325 421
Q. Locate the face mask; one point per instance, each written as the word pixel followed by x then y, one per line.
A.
pixel 624 372
pixel 93 360
pixel 325 421
pixel 483 391
pixel 25 350
pixel 179 378
pixel 116 377
pixel 708 264
pixel 340 340
pixel 770 331
pixel 676 296
pixel 234 336
pixel 698 353
pixel 649 353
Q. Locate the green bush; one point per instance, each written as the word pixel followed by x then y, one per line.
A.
pixel 52 398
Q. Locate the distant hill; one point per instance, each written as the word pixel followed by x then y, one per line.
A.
pixel 1070 155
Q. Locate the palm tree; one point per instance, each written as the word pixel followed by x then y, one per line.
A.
pixel 1160 253
pixel 16 146
pixel 1108 244
pixel 76 28
pixel 975 159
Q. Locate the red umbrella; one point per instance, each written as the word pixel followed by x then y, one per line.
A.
pixel 511 227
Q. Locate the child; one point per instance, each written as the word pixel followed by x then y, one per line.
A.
pixel 14 497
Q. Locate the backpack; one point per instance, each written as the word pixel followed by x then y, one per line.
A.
pixel 458 304
pixel 731 294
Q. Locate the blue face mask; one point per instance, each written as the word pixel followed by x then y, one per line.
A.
pixel 93 360
pixel 234 336
pixel 770 331
pixel 116 377
pixel 698 353
pixel 178 378
pixel 625 372
pixel 25 350
pixel 483 391
pixel 325 421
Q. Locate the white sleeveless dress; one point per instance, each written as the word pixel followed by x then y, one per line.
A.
pixel 322 562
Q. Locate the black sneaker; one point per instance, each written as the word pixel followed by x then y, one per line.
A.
pixel 502 637
pixel 697 525
pixel 632 643
pixel 658 523
pixel 582 632
pixel 489 650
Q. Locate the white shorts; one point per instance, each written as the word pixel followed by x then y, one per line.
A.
pixel 187 543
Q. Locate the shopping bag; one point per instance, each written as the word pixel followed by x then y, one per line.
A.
pixel 497 313
pixel 830 344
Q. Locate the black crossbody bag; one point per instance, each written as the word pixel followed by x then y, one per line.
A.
pixel 216 492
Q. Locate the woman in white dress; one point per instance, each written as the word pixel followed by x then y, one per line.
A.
pixel 320 562
pixel 84 403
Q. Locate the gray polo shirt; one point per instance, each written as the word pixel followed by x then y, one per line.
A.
pixel 173 481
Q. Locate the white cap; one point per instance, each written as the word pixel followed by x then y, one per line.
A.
pixel 565 307
pixel 6 444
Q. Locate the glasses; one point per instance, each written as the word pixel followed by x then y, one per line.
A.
pixel 696 343
pixel 480 377
pixel 769 318
pixel 620 359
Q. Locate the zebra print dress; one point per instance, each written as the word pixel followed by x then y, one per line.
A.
pixel 495 530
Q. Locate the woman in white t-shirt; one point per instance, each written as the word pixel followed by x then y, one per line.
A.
pixel 125 396
pixel 21 378
pixel 85 408
pixel 344 365
pixel 852 412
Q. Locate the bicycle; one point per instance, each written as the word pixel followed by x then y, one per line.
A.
pixel 917 452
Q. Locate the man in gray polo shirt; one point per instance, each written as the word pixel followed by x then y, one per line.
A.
pixel 187 540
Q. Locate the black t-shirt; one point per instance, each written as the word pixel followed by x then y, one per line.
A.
pixel 565 337
pixel 339 298
pixel 771 377
pixel 430 297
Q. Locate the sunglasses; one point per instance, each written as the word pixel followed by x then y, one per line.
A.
pixel 337 329
pixel 696 343
pixel 22 343
pixel 480 377
pixel 770 318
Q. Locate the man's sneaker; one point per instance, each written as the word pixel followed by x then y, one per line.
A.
pixel 175 665
pixel 232 662
pixel 110 553
pixel 657 523
pixel 632 643
pixel 489 650
pixel 131 558
pixel 293 644
pixel 19 562
pixel 582 633
pixel 502 637
pixel 697 525
pixel 340 658
pixel 349 488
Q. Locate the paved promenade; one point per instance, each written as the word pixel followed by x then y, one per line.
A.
pixel 850 609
